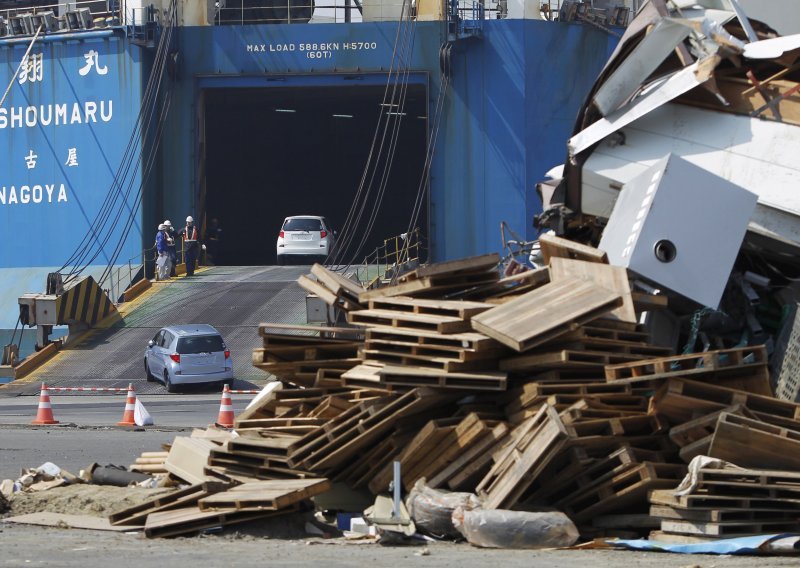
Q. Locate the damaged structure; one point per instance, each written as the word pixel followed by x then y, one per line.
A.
pixel 682 162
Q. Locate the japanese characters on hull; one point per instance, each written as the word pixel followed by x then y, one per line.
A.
pixel 64 139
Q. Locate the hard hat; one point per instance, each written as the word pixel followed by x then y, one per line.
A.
pixel 189 219
pixel 161 227
pixel 167 223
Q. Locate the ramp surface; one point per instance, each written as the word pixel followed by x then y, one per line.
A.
pixel 235 300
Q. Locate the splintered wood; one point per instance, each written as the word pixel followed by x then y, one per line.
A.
pixel 537 390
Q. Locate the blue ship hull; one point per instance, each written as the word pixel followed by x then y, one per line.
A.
pixel 69 125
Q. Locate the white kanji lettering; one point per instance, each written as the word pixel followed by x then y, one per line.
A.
pixel 92 61
pixel 72 159
pixel 31 69
pixel 30 160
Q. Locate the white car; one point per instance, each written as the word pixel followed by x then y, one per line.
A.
pixel 305 237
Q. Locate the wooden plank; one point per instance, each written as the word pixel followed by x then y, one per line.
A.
pixel 271 495
pixel 755 444
pixel 69 521
pixel 188 458
pixel 337 283
pixel 481 263
pixel 448 364
pixel 558 247
pixel 611 278
pixel 545 313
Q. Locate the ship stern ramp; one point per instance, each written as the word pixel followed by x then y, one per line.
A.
pixel 235 300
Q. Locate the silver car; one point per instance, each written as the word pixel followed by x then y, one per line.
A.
pixel 188 354
pixel 304 237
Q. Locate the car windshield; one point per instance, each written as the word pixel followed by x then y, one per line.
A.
pixel 200 344
pixel 302 225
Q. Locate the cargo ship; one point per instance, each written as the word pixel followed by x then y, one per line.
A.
pixel 382 116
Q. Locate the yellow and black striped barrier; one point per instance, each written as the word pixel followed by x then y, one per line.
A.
pixel 85 303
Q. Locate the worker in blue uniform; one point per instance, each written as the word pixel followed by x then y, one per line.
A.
pixel 162 250
pixel 191 247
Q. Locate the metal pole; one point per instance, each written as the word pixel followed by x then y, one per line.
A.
pixel 396 488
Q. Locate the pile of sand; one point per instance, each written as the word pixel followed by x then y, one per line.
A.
pixel 82 499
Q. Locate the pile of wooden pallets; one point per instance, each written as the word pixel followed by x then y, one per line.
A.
pixel 537 390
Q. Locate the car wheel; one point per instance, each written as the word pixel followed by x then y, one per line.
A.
pixel 281 260
pixel 168 383
pixel 148 375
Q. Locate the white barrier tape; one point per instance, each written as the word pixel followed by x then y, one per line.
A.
pixel 87 389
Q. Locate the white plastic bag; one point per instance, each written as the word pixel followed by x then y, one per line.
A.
pixel 140 414
pixel 498 528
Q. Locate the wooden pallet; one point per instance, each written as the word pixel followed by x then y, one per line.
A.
pixel 687 365
pixel 703 500
pixel 414 349
pixel 352 437
pixel 627 488
pixel 449 364
pixel 533 445
pixel 190 520
pixel 468 340
pixel 270 495
pixel 627 426
pixel 729 529
pixel 472 461
pixel 722 515
pixel 406 320
pixel 309 351
pixel 285 333
pixel 694 437
pixel 179 498
pixel 363 470
pixel 453 268
pixel 680 399
pixel 565 359
pixel 417 376
pixel 606 345
pixel 545 313
pixel 755 444
pixel 460 309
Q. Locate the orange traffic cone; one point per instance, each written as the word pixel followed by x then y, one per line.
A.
pixel 130 407
pixel 225 417
pixel 44 415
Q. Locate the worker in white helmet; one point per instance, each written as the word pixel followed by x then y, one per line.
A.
pixel 191 247
pixel 171 242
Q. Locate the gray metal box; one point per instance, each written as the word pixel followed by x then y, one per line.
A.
pixel 681 227
pixel 317 311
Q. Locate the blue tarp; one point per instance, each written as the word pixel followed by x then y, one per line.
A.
pixel 746 545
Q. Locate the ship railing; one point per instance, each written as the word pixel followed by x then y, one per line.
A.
pixel 54 17
pixel 395 256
